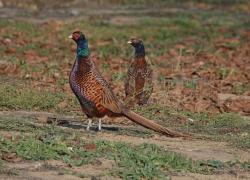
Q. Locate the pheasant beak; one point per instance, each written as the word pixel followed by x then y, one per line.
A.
pixel 130 42
pixel 70 36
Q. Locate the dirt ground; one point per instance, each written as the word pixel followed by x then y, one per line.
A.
pixel 192 148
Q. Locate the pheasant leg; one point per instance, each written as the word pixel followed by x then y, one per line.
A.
pixel 100 124
pixel 89 124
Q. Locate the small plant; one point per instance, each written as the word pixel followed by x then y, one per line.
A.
pixel 69 171
pixel 13 59
pixel 239 89
pixel 161 77
pixel 172 83
pixel 223 72
pixel 105 64
pixel 63 80
pixel 239 160
pixel 232 71
pixel 190 84
pixel 119 78
pixel 21 63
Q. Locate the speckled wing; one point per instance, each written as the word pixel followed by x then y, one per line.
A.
pixel 107 99
pixel 148 86
pixel 130 82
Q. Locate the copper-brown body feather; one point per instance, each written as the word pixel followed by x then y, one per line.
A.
pixel 138 81
pixel 92 91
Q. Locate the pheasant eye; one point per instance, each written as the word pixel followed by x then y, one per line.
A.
pixel 76 35
pixel 134 41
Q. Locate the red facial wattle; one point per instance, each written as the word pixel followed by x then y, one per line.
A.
pixel 76 35
pixel 134 41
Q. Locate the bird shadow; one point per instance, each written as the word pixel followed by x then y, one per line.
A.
pixel 68 124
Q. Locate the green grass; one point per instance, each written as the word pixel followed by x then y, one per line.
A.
pixel 14 96
pixel 141 161
pixel 175 28
pixel 172 29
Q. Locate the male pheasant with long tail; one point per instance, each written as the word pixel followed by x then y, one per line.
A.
pixel 94 93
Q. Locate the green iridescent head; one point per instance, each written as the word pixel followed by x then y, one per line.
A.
pixel 82 43
pixel 139 47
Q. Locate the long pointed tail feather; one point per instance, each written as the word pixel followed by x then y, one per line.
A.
pixel 151 125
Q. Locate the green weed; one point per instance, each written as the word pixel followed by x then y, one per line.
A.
pixel 69 171
pixel 240 160
pixel 119 78
pixel 190 84
pixel 161 77
pixel 63 81
pixel 224 72
pixel 239 89
pixel 105 64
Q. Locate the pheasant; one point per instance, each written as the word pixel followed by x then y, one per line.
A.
pixel 138 81
pixel 95 95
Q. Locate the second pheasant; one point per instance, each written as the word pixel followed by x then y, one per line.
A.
pixel 138 81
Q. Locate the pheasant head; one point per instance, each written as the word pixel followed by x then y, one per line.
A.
pixel 82 43
pixel 139 47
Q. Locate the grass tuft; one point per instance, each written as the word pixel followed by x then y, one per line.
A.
pixel 17 97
